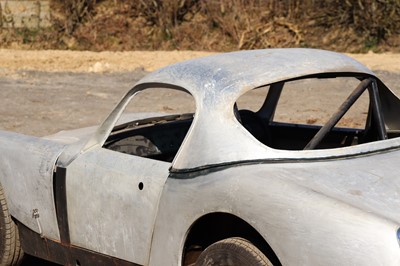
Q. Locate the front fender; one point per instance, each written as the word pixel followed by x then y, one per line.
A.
pixel 26 173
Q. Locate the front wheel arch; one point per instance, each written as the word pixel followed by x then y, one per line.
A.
pixel 214 227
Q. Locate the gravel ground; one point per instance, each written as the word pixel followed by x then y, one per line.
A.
pixel 41 103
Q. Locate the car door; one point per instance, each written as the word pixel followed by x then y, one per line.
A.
pixel 112 201
pixel 107 189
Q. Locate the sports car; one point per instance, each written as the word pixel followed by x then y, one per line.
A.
pixel 226 184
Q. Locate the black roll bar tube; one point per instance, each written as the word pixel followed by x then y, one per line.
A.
pixel 376 110
pixel 339 114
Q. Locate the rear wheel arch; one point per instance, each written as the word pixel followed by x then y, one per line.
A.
pixel 214 227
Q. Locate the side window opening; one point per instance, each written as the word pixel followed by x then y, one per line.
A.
pixel 253 100
pixel 246 109
pixel 154 124
pixel 290 117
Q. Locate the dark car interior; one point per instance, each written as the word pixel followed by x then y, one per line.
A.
pixel 156 138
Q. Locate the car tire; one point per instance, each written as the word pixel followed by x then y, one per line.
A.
pixel 232 252
pixel 10 248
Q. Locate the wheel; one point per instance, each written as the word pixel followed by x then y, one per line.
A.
pixel 10 247
pixel 232 252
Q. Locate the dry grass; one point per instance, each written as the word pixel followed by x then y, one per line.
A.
pixel 219 25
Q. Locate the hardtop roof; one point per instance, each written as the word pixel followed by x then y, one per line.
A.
pixel 244 70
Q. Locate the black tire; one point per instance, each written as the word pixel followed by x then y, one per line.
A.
pixel 232 252
pixel 10 247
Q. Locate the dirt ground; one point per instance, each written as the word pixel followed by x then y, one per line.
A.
pixel 85 61
pixel 43 92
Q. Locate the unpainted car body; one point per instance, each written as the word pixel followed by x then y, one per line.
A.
pixel 76 199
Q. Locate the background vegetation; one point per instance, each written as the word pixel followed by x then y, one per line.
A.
pixel 218 25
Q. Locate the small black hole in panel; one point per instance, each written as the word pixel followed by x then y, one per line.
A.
pixel 141 186
pixel 78 263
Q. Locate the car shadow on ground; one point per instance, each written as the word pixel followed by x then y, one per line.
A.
pixel 32 261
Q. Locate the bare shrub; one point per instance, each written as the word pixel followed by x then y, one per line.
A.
pixel 220 25
pixel 69 14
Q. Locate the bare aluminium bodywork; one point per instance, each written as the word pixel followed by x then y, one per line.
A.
pixel 75 196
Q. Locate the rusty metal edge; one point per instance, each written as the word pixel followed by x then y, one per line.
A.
pixel 64 254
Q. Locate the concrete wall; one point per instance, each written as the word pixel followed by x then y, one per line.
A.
pixel 21 14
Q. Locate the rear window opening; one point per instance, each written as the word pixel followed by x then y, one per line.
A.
pixel 292 113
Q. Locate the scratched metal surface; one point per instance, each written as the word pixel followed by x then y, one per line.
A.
pixel 342 212
pixel 107 211
pixel 26 174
